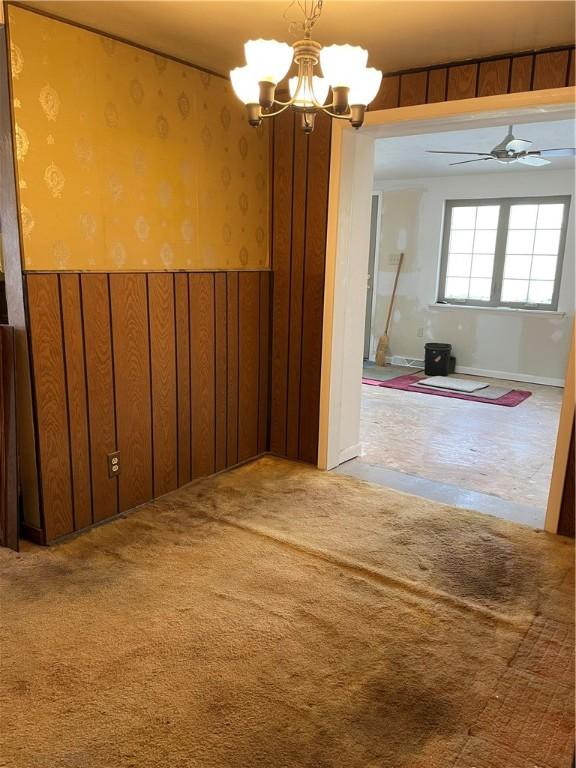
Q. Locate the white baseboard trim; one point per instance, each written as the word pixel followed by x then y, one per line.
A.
pixel 524 377
pixel 349 453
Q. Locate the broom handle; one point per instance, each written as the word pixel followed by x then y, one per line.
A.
pixel 400 260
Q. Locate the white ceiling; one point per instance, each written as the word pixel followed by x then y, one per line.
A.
pixel 405 157
pixel 401 34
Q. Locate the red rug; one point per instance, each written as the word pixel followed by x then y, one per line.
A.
pixel 409 383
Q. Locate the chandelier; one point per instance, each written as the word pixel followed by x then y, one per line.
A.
pixel 353 85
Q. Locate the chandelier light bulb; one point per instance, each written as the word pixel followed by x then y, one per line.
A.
pixel 365 86
pixel 268 59
pixel 245 84
pixel 341 63
pixel 306 97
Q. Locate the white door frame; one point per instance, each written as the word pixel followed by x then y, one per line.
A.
pixel 373 338
pixel 351 179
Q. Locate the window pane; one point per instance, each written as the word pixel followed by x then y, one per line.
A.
pixel 459 265
pixel 487 217
pixel 480 288
pixel 522 216
pixel 543 268
pixel 517 266
pixel 550 215
pixel 461 241
pixel 541 291
pixel 485 241
pixel 514 290
pixel 457 287
pixel 463 217
pixel 520 241
pixel 482 265
pixel 547 241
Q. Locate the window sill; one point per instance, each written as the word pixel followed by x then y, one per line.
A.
pixel 500 310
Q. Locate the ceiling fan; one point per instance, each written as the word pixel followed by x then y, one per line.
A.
pixel 511 150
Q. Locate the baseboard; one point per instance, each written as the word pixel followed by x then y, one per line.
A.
pixel 349 453
pixel 528 378
pixel 33 534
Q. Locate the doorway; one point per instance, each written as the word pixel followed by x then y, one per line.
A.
pixel 349 238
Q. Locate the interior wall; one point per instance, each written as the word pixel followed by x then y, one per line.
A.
pixel 143 223
pixel 506 74
pixel 510 343
pixel 130 160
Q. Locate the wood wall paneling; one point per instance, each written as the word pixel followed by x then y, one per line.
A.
pixel 566 521
pixel 202 373
pixel 182 309
pixel 437 80
pixel 221 372
pixel 129 305
pixel 413 88
pixel 551 69
pixel 571 78
pixel 493 77
pixel 297 258
pixel 281 256
pixel 248 363
pixel 313 297
pixel 100 388
pixel 521 73
pixel 389 93
pixel 51 403
pixel 232 368
pixel 161 309
pixel 263 385
pixel 462 81
pixel 73 330
pixel 8 441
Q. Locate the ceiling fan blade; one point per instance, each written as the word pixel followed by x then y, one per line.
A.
pixel 533 160
pixel 565 152
pixel 518 145
pixel 477 160
pixel 449 152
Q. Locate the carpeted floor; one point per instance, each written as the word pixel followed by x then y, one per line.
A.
pixel 279 617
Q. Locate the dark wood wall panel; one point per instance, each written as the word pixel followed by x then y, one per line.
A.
pixel 73 331
pixel 462 81
pixel 297 298
pixel 248 363
pixel 161 311
pixel 413 88
pixel 281 264
pixel 182 308
pixel 8 441
pixel 202 373
pixel 232 373
pixel 100 389
pixel 493 77
pixel 51 402
pixel 170 369
pixel 551 69
pixel 131 346
pixel 221 382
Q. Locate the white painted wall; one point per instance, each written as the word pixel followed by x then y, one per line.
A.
pixel 515 344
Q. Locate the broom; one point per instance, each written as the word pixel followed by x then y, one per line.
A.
pixel 383 342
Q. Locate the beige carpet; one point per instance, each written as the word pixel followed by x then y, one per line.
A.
pixel 278 617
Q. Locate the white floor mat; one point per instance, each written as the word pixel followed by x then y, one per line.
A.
pixel 457 385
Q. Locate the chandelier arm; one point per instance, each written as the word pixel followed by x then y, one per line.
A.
pixel 278 111
pixel 345 116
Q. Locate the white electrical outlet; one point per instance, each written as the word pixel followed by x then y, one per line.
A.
pixel 420 333
pixel 394 259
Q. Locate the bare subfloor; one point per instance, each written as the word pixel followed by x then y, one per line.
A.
pixel 506 452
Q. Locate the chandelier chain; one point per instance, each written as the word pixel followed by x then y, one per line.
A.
pixel 311 9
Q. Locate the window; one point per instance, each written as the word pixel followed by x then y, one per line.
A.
pixel 503 253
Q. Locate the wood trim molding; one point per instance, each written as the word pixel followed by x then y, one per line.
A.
pixel 562 453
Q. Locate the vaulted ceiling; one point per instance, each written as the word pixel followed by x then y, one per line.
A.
pixel 402 34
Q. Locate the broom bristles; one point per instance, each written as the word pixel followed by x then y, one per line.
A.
pixel 381 351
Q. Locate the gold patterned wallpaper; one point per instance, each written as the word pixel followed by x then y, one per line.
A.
pixel 128 160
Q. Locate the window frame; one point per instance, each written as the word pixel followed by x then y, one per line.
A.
pixel 505 204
